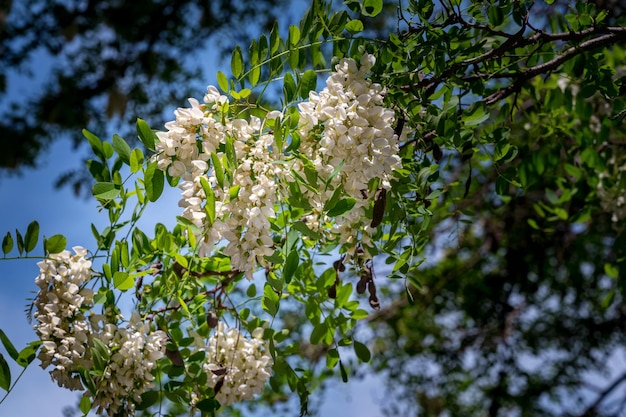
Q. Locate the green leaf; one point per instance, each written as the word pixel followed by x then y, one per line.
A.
pixel 5 374
pixel 28 354
pixel 222 81
pixel 95 143
pixel 319 333
pixel 289 87
pixel 254 75
pixel 354 26
pixel 236 62
pixel 362 352
pixel 270 300
pixel 85 404
pixel 146 135
pixel 231 155
pixel 332 358
pixel 304 229
pixel 208 405
pixel 20 241
pixel 218 169
pixel 136 160
pixel 105 190
pixel 274 39
pixel 291 264
pixel 334 198
pixel 154 182
pixel 308 83
pixel 475 114
pixel 294 35
pixel 55 244
pixel 342 206
pixel 611 270
pixel 7 243
pixel 372 7
pixel 122 148
pixel 148 399
pixel 209 207
pixel 123 281
pixel 344 374
pixel 251 291
pixel 31 237
pixel 8 345
pixel 233 191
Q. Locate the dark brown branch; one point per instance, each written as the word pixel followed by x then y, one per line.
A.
pixel 609 35
pixel 524 76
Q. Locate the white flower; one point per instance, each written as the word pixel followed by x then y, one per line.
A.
pixel 237 365
pixel 610 191
pixel 244 202
pixel 346 123
pixel 68 336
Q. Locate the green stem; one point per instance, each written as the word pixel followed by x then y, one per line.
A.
pixel 14 383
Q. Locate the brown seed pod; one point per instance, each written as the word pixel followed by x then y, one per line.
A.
pixel 332 291
pixel 361 285
pixel 371 287
pixel 399 126
pixel 379 207
pixel 219 371
pixel 437 152
pixel 374 303
pixel 339 266
pixel 175 357
pixel 218 385
pixel 212 319
pixel 179 270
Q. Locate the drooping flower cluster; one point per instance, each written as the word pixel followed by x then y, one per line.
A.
pixel 346 123
pixel 231 168
pixel 62 325
pixel 237 366
pixel 133 351
pixel 69 335
pixel 611 190
pixel 241 178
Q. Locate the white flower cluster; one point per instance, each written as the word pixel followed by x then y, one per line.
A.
pixel 68 336
pixel 346 123
pixel 237 366
pixel 243 186
pixel 610 189
pixel 63 327
pixel 345 127
pixel 133 351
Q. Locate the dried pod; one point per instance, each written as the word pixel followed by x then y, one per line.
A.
pixel 467 152
pixel 437 152
pixel 332 291
pixel 371 287
pixel 399 126
pixel 339 266
pixel 374 303
pixel 218 385
pixel 212 319
pixel 175 357
pixel 379 207
pixel 179 270
pixel 219 371
pixel 361 285
pixel 156 268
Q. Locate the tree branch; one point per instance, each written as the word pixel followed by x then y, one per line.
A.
pixel 522 77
